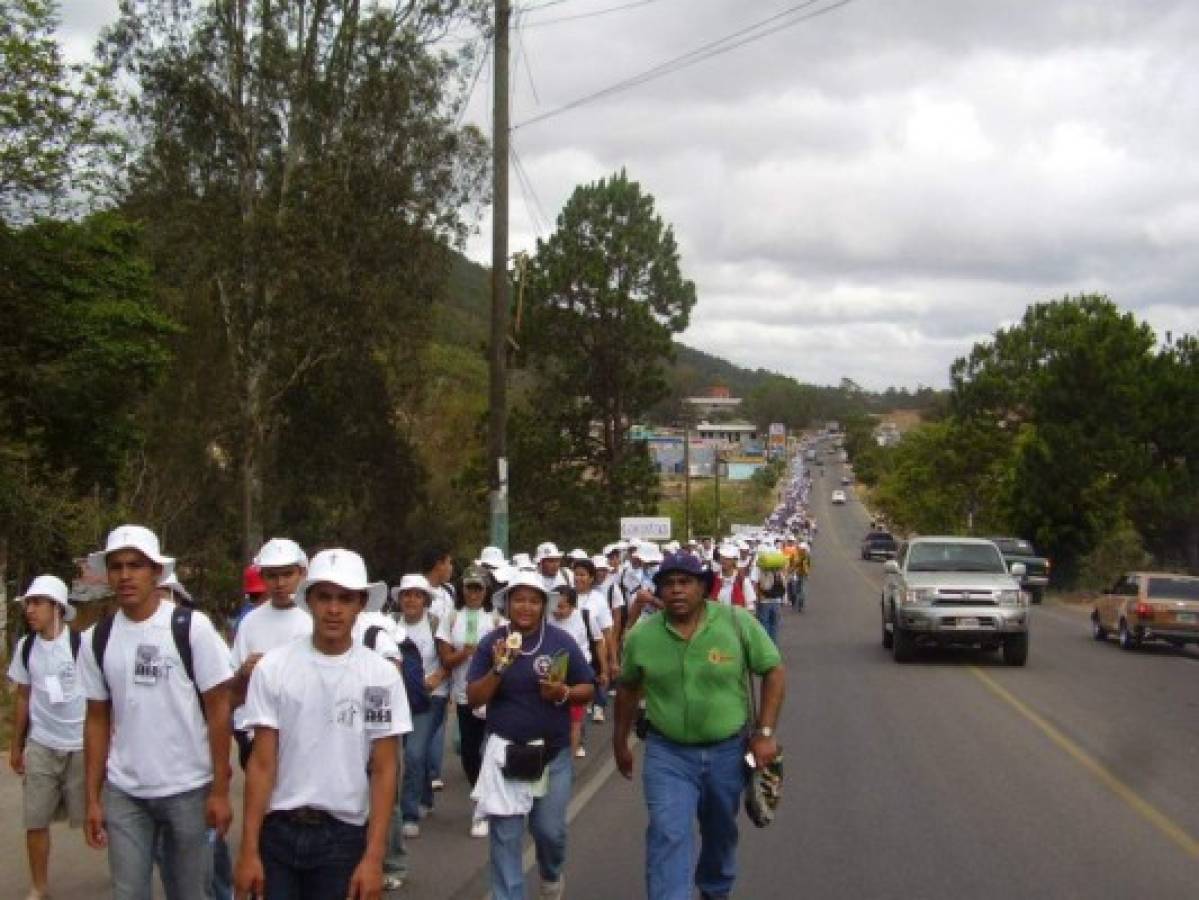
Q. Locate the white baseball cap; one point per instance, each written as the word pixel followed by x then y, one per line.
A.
pixel 728 551
pixel 345 569
pixel 547 550
pixel 578 553
pixel 492 557
pixel 601 562
pixel 649 552
pixel 618 547
pixel 52 588
pixel 523 561
pixel 279 552
pixel 130 537
pixel 412 583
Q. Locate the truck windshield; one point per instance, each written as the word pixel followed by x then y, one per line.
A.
pixel 947 557
pixel 1178 588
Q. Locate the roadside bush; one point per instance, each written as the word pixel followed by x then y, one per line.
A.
pixel 1118 551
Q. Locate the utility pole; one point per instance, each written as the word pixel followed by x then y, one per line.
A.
pixel 497 418
pixel 716 484
pixel 686 478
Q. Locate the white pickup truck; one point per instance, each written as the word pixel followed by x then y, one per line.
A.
pixel 953 591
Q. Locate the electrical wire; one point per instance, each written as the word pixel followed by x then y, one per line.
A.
pixel 474 82
pixel 540 221
pixel 588 15
pixel 759 30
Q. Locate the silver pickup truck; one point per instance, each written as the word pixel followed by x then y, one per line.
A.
pixel 953 591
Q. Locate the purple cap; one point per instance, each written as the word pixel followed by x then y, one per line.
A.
pixel 684 562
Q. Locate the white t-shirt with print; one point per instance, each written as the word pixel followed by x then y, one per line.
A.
pixel 327 710
pixel 56 703
pixel 264 628
pixel 576 627
pixel 159 744
pixel 465 626
pixel 421 634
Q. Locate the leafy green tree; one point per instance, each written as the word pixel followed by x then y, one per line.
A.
pixel 49 112
pixel 300 168
pixel 604 296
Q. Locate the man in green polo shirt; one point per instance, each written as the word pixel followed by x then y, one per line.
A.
pixel 689 664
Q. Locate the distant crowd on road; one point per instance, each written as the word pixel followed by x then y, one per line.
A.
pixel 336 692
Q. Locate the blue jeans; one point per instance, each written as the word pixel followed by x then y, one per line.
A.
pixel 547 823
pixel 768 615
pixel 309 862
pixel 222 865
pixel 136 826
pixel 437 747
pixel 797 591
pixel 682 784
pixel 417 787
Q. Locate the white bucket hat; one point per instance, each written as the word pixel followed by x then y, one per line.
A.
pixel 601 562
pixel 345 569
pixel 413 583
pixel 618 547
pixel 649 552
pixel 578 553
pixel 728 551
pixel 519 579
pixel 130 537
pixel 523 561
pixel 52 588
pixel 175 586
pixel 547 550
pixel 492 557
pixel 278 552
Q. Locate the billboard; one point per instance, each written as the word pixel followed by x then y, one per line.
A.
pixel 778 440
pixel 645 528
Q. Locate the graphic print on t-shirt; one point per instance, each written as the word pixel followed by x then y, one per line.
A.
pixel 541 665
pixel 346 711
pixel 147 664
pixel 376 702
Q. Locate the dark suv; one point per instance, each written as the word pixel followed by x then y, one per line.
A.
pixel 879 545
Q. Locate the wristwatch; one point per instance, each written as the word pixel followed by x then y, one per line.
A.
pixel 765 731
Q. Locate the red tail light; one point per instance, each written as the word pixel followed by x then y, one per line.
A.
pixel 1143 610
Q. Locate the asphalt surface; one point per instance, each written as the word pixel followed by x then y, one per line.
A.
pixel 954 776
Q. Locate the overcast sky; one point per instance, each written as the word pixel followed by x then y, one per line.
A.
pixel 868 193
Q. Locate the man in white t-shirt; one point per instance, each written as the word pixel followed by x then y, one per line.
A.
pixel 327 715
pixel 282 564
pixel 47 732
pixel 156 736
pixel 413 596
pixel 437 564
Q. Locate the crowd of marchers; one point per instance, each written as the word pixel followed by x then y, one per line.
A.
pixel 336 692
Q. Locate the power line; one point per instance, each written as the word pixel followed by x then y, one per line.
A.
pixel 541 222
pixel 588 15
pixel 723 45
pixel 474 82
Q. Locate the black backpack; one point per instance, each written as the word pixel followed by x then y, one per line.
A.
pixel 412 667
pixel 181 634
pixel 27 647
pixel 773 584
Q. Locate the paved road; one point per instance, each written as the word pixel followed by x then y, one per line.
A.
pixel 954 776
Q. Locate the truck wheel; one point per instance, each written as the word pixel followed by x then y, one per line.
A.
pixel 903 645
pixel 1015 649
pixel 1128 640
pixel 1098 632
pixel 888 637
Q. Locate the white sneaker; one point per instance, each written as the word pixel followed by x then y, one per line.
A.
pixel 553 890
pixel 478 828
pixel 438 784
pixel 580 753
pixel 597 714
pixel 411 830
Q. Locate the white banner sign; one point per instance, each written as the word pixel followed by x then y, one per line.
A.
pixel 746 529
pixel 645 528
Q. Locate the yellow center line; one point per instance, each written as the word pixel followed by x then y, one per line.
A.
pixel 1102 773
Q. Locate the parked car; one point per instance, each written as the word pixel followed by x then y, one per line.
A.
pixel 1149 606
pixel 838 497
pixel 879 545
pixel 953 591
pixel 1036 568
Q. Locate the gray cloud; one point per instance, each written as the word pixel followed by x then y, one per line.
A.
pixel 870 192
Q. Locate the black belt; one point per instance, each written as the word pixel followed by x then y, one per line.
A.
pixel 654 730
pixel 304 815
